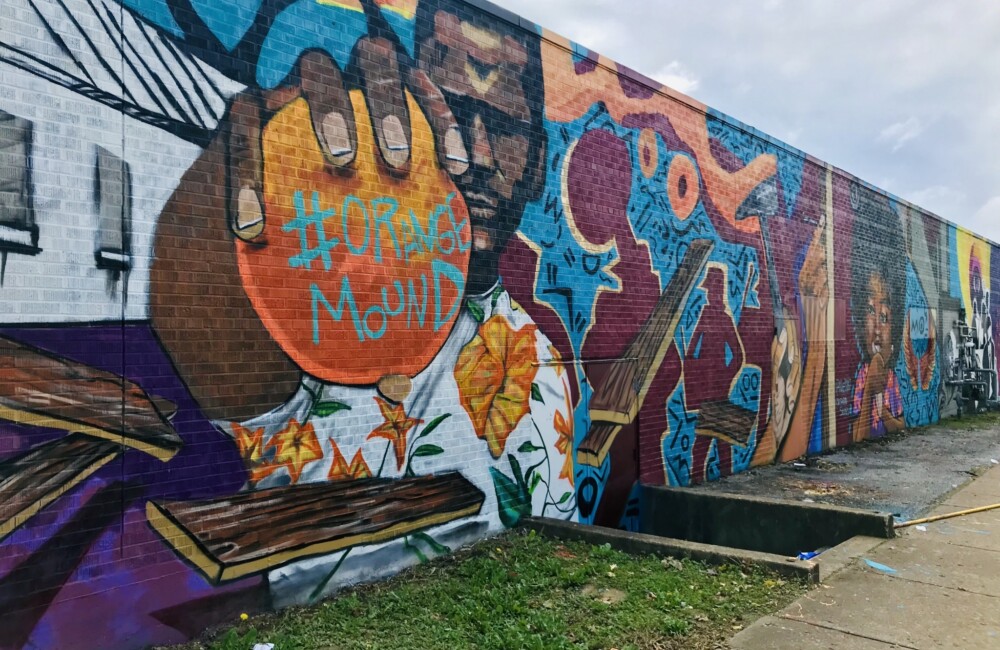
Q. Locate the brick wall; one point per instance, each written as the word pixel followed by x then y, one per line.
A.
pixel 293 295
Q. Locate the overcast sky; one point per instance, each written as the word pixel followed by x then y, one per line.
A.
pixel 903 93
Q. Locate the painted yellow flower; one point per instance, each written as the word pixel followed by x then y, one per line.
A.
pixel 556 360
pixel 564 444
pixel 340 470
pixel 494 374
pixel 251 446
pixel 395 428
pixel 295 447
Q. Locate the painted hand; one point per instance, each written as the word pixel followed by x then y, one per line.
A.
pixel 813 275
pixel 382 73
pixel 787 364
pixel 275 300
pixel 878 375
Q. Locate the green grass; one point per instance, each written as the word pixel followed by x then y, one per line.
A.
pixel 527 591
pixel 979 421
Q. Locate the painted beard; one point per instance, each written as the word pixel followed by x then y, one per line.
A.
pixel 494 220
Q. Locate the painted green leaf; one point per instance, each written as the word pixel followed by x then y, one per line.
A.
pixel 512 501
pixel 564 498
pixel 327 408
pixel 433 424
pixel 496 295
pixel 476 311
pixel 529 447
pixel 536 394
pixel 438 547
pixel 515 466
pixel 535 480
pixel 427 450
pixel 415 550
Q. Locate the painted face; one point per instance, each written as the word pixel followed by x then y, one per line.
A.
pixel 976 293
pixel 878 317
pixel 479 70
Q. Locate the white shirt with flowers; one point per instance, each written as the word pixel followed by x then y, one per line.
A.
pixel 494 404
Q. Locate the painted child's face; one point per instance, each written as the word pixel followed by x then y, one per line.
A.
pixel 878 317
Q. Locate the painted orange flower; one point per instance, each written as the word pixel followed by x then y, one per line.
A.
pixel 340 470
pixel 564 445
pixel 251 446
pixel 395 428
pixel 494 374
pixel 295 447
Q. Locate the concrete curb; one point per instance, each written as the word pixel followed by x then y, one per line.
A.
pixel 762 524
pixel 639 544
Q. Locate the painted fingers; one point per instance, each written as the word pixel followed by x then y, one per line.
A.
pixel 383 75
pixel 813 280
pixel 321 84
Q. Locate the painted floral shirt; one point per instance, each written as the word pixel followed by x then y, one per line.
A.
pixel 493 403
pixel 890 396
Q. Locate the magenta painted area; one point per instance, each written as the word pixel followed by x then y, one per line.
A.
pixel 599 186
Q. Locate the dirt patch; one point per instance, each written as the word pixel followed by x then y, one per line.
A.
pixel 905 474
pixel 608 596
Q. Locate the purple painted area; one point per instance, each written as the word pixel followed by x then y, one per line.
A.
pixel 634 85
pixel 585 65
pixel 16 439
pixel 131 565
pixel 24 541
pixel 128 562
pixel 661 124
pixel 209 465
pixel 726 158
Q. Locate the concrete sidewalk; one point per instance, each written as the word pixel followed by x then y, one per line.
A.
pixel 933 588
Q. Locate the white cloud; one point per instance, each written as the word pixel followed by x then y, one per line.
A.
pixel 990 212
pixel 939 199
pixel 986 220
pixel 899 133
pixel 678 77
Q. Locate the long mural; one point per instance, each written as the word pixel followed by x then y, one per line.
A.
pixel 297 293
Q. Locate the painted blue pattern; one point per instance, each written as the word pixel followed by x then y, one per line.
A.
pixel 748 145
pixel 156 12
pixel 228 21
pixel 920 407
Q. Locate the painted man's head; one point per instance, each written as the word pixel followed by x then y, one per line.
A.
pixel 490 74
pixel 878 281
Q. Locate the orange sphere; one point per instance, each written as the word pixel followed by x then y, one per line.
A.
pixel 362 274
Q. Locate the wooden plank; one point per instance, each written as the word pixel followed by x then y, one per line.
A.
pixel 41 389
pixel 726 421
pixel 596 445
pixel 619 396
pixel 33 480
pixel 257 531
